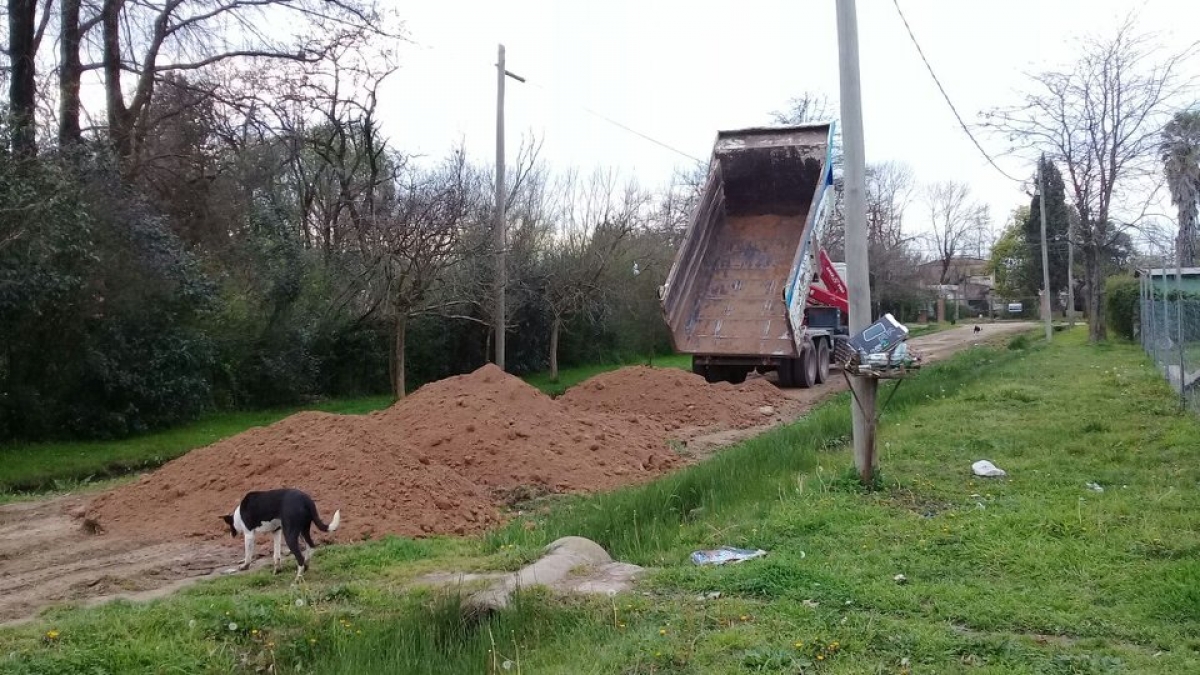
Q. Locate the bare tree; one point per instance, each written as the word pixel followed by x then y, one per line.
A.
pixel 889 191
pixel 147 40
pixel 957 226
pixel 595 221
pixel 410 241
pixel 806 108
pixel 70 71
pixel 1100 119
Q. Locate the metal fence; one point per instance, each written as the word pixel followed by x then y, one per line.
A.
pixel 1169 330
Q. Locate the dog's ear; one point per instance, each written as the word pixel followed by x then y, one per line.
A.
pixel 228 519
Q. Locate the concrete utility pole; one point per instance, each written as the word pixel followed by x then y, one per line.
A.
pixel 1045 254
pixel 501 238
pixel 862 405
pixel 1070 276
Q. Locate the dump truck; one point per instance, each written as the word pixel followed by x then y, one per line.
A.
pixel 750 288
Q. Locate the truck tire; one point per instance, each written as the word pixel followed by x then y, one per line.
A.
pixel 806 369
pixel 736 375
pixel 699 369
pixel 711 373
pixel 822 361
pixel 785 373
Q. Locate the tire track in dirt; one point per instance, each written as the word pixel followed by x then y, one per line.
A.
pixel 46 558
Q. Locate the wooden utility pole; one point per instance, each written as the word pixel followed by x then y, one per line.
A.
pixel 862 404
pixel 1045 254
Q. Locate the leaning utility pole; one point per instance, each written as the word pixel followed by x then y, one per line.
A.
pixel 862 405
pixel 1045 254
pixel 501 239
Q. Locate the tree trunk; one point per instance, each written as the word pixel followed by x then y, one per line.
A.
pixel 401 327
pixel 120 130
pixel 70 74
pixel 1094 272
pixel 22 89
pixel 555 328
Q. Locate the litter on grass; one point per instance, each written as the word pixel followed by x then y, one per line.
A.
pixel 726 554
pixel 987 469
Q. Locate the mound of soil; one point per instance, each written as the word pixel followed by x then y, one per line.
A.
pixel 675 398
pixel 345 462
pixel 437 462
pixel 502 433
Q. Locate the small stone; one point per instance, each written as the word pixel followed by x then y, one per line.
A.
pixel 900 579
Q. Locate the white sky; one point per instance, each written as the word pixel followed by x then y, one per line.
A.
pixel 679 71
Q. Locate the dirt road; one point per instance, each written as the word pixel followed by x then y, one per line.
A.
pixel 932 348
pixel 45 558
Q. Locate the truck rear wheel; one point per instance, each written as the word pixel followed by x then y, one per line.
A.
pixel 822 361
pixel 806 369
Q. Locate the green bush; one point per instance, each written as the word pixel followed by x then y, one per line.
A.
pixel 1122 294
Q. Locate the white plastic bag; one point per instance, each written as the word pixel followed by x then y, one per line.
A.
pixel 987 469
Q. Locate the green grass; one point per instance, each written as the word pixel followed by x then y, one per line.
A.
pixel 569 377
pixel 32 469
pixel 70 464
pixel 1033 573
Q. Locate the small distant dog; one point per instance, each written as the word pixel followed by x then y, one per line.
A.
pixel 288 513
pixel 976 329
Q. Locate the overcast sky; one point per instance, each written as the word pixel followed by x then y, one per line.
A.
pixel 679 71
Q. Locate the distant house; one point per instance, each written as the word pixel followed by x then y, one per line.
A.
pixel 1160 278
pixel 967 280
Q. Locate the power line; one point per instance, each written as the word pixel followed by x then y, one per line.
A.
pixel 947 97
pixel 619 125
pixel 622 126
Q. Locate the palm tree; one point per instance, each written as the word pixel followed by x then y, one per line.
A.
pixel 1180 149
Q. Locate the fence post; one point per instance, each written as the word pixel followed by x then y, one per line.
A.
pixel 1183 372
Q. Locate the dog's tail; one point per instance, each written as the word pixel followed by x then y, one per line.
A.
pixel 333 524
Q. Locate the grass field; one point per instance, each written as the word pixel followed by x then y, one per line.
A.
pixel 72 465
pixel 569 377
pixel 1034 573
pixel 68 464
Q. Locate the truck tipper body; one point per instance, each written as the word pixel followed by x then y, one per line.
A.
pixel 750 287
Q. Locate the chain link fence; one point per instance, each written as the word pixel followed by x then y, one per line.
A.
pixel 1169 330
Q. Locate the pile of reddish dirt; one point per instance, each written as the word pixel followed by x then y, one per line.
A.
pixel 676 398
pixel 502 433
pixel 344 462
pixel 437 462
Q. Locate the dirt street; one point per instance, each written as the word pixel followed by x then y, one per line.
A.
pixel 932 348
pixel 46 558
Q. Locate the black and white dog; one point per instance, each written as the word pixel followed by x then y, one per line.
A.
pixel 288 513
